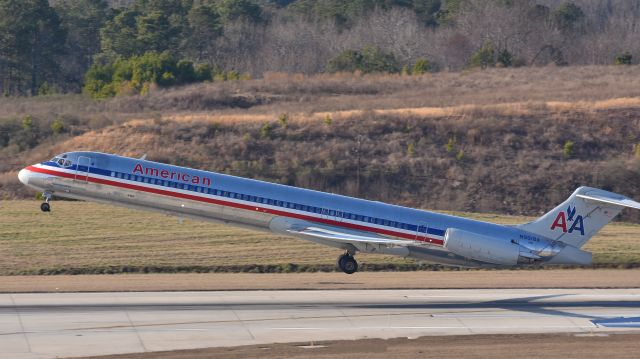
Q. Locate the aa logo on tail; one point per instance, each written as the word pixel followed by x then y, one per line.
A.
pixel 562 219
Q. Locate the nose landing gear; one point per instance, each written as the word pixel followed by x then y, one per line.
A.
pixel 347 263
pixel 45 207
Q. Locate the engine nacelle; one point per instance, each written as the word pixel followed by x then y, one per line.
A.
pixel 484 248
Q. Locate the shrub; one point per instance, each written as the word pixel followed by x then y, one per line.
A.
pixel 265 131
pixel 46 89
pixel 283 118
pixel 405 71
pixel 450 144
pixel 421 66
pixel 371 59
pixel 482 58
pixel 138 74
pixel 624 59
pixel 567 149
pixel 27 123
pixel 376 60
pixel 232 75
pixel 203 72
pixel 57 126
pixel 185 72
pixel 346 61
pixel 505 58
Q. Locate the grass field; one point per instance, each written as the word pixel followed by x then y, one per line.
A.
pixel 78 237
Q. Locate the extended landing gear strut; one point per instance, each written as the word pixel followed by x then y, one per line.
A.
pixel 44 207
pixel 347 263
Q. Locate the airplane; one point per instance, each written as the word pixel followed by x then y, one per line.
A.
pixel 350 224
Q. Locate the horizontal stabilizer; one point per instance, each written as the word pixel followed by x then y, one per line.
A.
pixel 621 201
pixel 328 234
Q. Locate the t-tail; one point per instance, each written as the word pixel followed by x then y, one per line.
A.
pixel 580 217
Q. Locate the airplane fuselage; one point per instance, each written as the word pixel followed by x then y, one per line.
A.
pixel 216 197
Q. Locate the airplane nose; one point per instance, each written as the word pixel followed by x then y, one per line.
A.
pixel 23 176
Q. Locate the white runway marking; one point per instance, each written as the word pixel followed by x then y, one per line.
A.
pixel 81 324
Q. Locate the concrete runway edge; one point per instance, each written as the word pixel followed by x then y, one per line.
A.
pixel 48 325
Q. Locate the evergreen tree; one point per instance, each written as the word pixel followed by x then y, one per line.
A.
pixel 204 27
pixel 119 36
pixel 82 19
pixel 31 41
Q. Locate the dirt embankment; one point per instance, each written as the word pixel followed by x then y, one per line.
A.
pixel 566 346
pixel 603 278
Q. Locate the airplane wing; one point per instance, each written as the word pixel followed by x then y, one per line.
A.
pixel 342 237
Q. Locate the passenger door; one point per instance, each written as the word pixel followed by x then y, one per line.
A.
pixel 82 169
pixel 421 232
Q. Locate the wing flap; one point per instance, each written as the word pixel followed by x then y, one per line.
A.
pixel 327 234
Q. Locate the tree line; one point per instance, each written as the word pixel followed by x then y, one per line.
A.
pixel 65 45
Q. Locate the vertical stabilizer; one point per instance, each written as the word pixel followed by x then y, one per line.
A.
pixel 580 217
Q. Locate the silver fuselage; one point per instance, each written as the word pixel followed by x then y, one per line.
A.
pixel 210 196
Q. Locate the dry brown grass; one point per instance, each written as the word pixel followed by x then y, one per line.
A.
pixel 92 238
pixel 509 127
pixel 279 93
pixel 503 109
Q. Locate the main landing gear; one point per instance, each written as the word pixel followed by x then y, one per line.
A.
pixel 44 207
pixel 347 263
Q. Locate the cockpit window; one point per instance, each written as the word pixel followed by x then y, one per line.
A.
pixel 61 160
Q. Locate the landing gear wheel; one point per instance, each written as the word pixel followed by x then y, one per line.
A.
pixel 45 206
pixel 347 263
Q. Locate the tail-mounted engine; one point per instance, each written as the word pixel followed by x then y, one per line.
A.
pixel 511 252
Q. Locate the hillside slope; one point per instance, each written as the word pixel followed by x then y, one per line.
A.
pixel 502 140
pixel 517 164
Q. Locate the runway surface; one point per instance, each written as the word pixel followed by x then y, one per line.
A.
pixel 80 324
